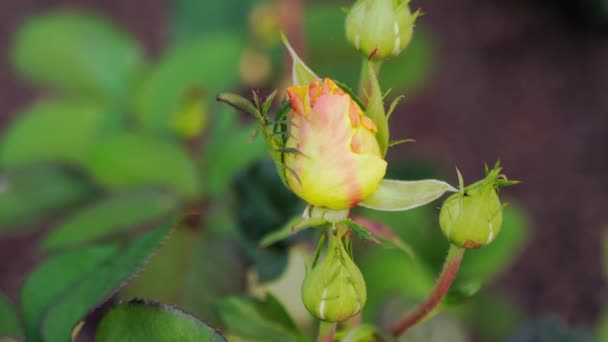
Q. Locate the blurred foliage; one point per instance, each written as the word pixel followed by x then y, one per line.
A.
pixel 9 321
pixel 264 205
pixel 62 290
pixel 52 131
pixel 110 216
pixel 29 195
pixel 550 329
pixel 254 320
pixel 206 64
pixel 190 18
pixel 119 143
pixel 83 54
pixel 149 321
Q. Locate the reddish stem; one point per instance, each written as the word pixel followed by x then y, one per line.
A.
pixel 444 281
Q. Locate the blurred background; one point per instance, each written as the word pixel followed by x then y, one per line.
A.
pixel 520 81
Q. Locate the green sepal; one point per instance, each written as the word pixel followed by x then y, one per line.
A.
pixel 292 227
pixel 302 75
pixel 361 231
pixel 375 110
pixel 397 195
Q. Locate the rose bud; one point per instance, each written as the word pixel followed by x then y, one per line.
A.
pixel 381 28
pixel 471 218
pixel 338 161
pixel 334 290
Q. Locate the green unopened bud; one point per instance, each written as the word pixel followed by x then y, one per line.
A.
pixel 382 28
pixel 334 290
pixel 472 217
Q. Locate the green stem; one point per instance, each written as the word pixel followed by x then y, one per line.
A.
pixel 444 281
pixel 364 81
pixel 327 331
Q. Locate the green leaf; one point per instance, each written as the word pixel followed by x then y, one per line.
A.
pixel 53 279
pixel 128 160
pixel 78 53
pixel 300 73
pixel 204 285
pixel 209 64
pixel 88 277
pixel 29 195
pixel 397 195
pixel 51 131
pixel 488 262
pixel 109 217
pixel 150 321
pixel 255 320
pixel 9 320
pixel 191 18
pixel 228 151
pixel 173 260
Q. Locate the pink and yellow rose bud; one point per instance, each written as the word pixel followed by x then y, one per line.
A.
pixel 339 162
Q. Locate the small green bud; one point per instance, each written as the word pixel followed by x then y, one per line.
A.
pixel 380 27
pixel 334 290
pixel 471 218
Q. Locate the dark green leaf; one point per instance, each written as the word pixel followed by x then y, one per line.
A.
pixel 88 289
pixel 78 53
pixel 264 204
pixel 51 131
pixel 53 279
pixel 204 285
pixel 149 321
pixel 9 320
pixel 111 216
pixel 209 64
pixel 172 261
pixel 29 195
pixel 128 160
pixel 254 320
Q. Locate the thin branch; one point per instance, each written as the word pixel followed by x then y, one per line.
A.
pixel 444 281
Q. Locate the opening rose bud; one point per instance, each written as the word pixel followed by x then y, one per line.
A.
pixel 339 162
